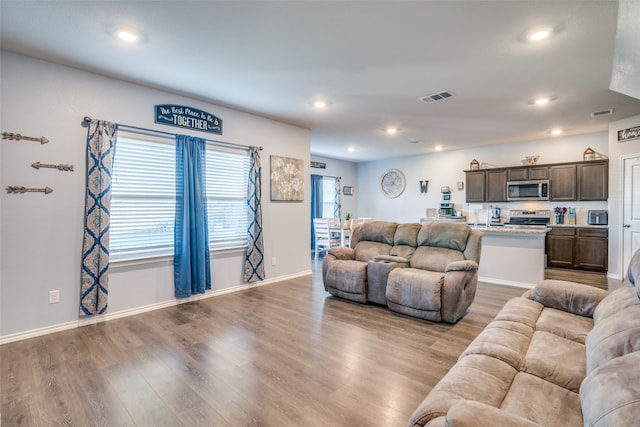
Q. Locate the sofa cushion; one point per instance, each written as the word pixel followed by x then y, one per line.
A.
pixel 405 240
pixel 449 235
pixel 474 377
pixel 565 325
pixel 633 272
pixel 434 258
pixel 521 310
pixel 347 279
pixel 417 289
pixel 557 360
pixel 615 336
pixel 503 339
pixel 377 231
pixel 542 402
pixel 610 395
pixel 617 300
pixel 366 251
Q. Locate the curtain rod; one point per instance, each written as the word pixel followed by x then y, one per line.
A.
pixel 88 119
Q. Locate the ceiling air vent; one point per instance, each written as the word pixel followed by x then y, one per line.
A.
pixel 602 113
pixel 439 96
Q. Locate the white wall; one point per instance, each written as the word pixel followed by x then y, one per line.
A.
pixel 446 169
pixel 41 236
pixel 616 151
pixel 348 172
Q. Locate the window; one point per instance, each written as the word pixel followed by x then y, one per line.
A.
pixel 143 197
pixel 227 181
pixel 329 197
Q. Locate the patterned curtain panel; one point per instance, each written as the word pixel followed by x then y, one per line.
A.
pixel 191 262
pixel 95 247
pixel 254 261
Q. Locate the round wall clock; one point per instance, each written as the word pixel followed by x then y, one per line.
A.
pixel 392 183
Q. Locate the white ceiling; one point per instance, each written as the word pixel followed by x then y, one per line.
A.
pixel 371 60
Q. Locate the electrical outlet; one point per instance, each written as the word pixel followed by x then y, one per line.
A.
pixel 273 260
pixel 54 297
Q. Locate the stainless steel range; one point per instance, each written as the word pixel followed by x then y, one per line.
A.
pixel 530 218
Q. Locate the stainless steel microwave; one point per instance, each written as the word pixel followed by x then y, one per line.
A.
pixel 528 190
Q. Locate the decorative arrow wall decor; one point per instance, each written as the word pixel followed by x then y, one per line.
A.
pixel 21 190
pixel 18 137
pixel 60 167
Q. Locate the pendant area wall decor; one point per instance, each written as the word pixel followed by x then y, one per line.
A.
pixel 17 137
pixel 287 179
pixel 188 118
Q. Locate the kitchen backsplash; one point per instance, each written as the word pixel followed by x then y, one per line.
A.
pixel 481 212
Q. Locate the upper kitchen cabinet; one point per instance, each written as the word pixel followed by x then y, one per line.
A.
pixel 584 181
pixel 527 173
pixel 475 186
pixel 496 181
pixel 593 181
pixel 562 180
pixel 489 185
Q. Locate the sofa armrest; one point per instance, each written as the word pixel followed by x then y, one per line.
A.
pixel 571 297
pixel 465 265
pixel 468 413
pixel 402 261
pixel 343 253
pixel 458 289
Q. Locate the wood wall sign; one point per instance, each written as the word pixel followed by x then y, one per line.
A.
pixel 627 134
pixel 188 118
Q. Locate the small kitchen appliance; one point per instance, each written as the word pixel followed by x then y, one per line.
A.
pixel 597 217
pixel 528 190
pixel 530 218
pixel 495 215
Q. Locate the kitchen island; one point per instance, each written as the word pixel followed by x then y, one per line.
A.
pixel 512 255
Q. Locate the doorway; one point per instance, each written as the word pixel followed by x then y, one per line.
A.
pixel 630 209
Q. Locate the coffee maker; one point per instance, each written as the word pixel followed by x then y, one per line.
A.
pixel 495 215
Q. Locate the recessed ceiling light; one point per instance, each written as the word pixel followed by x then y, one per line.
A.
pixel 438 148
pixel 351 149
pixel 319 104
pixel 542 100
pixel 556 132
pixel 128 36
pixel 391 130
pixel 539 34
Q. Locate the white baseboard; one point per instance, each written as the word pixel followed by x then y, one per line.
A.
pixel 506 282
pixel 84 321
pixel 614 276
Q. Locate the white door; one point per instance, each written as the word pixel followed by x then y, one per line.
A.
pixel 631 209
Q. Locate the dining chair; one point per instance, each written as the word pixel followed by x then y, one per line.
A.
pixel 324 238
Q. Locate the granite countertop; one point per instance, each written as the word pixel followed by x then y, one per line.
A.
pixel 579 225
pixel 514 229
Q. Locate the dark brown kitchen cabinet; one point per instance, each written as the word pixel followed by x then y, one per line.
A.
pixel 579 248
pixel 563 182
pixel 496 182
pixel 528 173
pixel 584 181
pixel 593 181
pixel 475 186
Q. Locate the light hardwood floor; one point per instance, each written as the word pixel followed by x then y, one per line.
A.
pixel 285 354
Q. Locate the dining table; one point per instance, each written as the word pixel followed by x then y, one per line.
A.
pixel 344 232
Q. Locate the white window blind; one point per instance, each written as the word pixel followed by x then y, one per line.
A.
pixel 227 178
pixel 143 197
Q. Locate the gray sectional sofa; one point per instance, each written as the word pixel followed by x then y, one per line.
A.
pixel 428 271
pixel 564 354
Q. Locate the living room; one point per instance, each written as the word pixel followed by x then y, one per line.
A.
pixel 42 234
